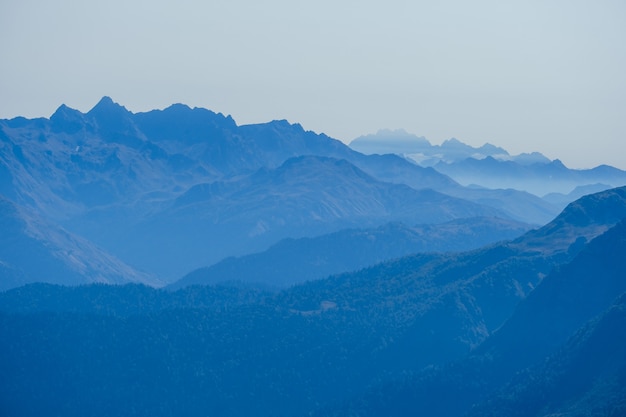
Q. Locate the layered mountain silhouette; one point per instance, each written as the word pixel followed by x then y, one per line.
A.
pixel 292 261
pixel 539 178
pixel 397 338
pixel 318 280
pixel 490 166
pixel 169 191
pixel 422 151
pixel 559 352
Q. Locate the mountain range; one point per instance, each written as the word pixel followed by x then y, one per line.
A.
pixel 490 166
pixel 293 261
pixel 491 327
pixel 173 262
pixel 559 353
pixel 168 191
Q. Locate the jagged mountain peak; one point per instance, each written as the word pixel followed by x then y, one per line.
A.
pixel 113 121
pixel 108 111
pixel 532 158
pixel 397 135
pixel 67 119
pixel 453 142
pixel 389 141
pixel 184 111
pixel 178 107
pixel 106 103
pixel 281 125
pixel 64 110
pixel 181 123
pixel 487 149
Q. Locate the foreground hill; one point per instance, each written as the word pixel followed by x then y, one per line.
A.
pixel 106 350
pixel 528 367
pixel 585 377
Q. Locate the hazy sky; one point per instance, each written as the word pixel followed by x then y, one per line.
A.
pixel 528 75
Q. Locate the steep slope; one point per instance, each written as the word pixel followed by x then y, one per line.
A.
pixel 583 370
pixel 294 261
pixel 74 162
pixel 231 149
pixel 586 377
pixel 114 349
pixel 32 250
pixel 574 293
pixel 564 300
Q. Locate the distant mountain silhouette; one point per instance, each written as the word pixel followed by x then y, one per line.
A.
pixel 538 178
pixel 490 166
pixel 559 199
pixel 422 151
pixel 292 261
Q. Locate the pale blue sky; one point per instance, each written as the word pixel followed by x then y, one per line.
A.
pixel 527 75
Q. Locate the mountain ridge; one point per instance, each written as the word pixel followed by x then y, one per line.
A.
pixel 379 335
pixel 520 368
pixel 119 179
pixel 292 261
pixel 489 166
pixel 385 335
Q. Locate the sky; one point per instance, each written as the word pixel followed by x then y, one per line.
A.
pixel 547 76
